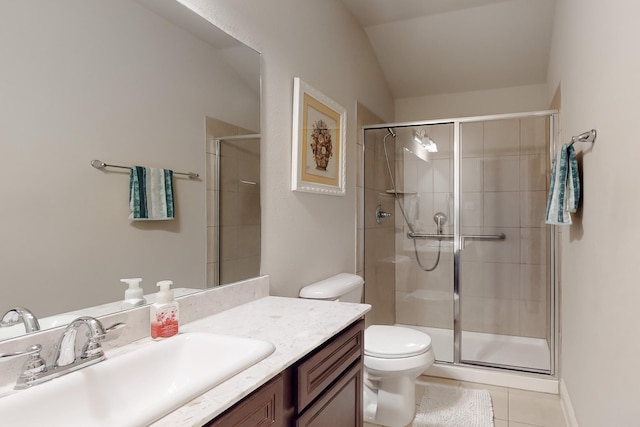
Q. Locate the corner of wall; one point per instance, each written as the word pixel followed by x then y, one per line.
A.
pixel 567 407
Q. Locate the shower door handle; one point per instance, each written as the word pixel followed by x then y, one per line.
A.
pixel 500 236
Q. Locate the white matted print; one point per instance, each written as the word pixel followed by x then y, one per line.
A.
pixel 318 149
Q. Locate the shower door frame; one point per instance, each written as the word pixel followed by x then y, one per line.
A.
pixel 553 275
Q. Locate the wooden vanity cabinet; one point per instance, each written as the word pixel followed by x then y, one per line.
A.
pixel 263 407
pixel 322 389
pixel 329 382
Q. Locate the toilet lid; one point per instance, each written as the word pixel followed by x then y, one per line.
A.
pixel 394 341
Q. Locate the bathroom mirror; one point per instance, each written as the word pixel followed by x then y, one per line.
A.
pixel 126 82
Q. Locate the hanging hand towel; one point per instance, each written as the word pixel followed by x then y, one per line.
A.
pixel 151 194
pixel 564 191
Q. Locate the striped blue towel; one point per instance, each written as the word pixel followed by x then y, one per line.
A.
pixel 151 194
pixel 564 191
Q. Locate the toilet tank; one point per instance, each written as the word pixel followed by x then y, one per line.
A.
pixel 342 287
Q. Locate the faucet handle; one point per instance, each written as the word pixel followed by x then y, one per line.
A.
pixel 33 368
pixel 111 332
pixel 33 349
pixel 92 347
pixel 114 330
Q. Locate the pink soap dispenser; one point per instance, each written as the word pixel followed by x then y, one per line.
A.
pixel 164 312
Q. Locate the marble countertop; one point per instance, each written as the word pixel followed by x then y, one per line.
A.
pixel 295 326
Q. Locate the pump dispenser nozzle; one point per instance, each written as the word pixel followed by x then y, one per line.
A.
pixel 134 295
pixel 165 294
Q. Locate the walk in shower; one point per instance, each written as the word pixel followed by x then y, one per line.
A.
pixel 455 239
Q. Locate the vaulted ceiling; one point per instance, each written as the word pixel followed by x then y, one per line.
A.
pixel 428 47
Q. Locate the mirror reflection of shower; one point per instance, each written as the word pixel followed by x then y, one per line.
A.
pixel 421 145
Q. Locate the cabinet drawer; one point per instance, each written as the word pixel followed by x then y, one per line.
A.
pixel 318 371
pixel 262 408
pixel 340 405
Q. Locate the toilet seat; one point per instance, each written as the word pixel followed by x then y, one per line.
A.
pixel 378 366
pixel 394 342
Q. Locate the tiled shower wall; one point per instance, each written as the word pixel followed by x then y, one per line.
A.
pixel 233 239
pixel 504 284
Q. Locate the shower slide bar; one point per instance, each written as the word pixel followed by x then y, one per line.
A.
pixel 500 236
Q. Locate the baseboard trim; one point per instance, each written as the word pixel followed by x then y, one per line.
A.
pixel 567 407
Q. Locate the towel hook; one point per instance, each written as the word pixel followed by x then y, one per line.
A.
pixel 589 136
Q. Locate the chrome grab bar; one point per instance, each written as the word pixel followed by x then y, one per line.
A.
pixel 500 236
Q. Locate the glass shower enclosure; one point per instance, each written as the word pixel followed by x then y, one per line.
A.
pixel 465 254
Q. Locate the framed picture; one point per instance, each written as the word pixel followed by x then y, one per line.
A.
pixel 318 164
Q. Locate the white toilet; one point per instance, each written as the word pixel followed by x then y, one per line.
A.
pixel 393 356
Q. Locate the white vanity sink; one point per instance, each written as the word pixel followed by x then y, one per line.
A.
pixel 137 387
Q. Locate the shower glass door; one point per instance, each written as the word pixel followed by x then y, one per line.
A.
pixel 424 233
pixel 505 304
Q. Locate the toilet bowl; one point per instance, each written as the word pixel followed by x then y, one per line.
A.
pixel 394 356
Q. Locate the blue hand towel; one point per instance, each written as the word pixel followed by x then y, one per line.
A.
pixel 151 194
pixel 564 191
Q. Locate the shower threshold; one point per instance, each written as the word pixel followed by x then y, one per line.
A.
pixel 513 352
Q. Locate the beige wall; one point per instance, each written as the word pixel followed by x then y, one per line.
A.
pixel 469 104
pixel 595 57
pixel 306 237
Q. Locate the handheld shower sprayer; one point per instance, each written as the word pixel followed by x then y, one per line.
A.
pixel 440 219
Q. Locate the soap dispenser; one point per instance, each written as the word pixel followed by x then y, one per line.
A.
pixel 164 312
pixel 133 296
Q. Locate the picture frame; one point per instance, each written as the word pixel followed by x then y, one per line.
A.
pixel 318 146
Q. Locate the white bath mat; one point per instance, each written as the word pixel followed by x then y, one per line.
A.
pixel 446 406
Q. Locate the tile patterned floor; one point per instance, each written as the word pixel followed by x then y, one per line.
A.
pixel 511 407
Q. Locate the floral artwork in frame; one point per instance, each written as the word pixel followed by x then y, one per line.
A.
pixel 318 163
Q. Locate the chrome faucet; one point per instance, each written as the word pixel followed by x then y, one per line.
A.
pixel 91 351
pixel 28 318
pixel 65 360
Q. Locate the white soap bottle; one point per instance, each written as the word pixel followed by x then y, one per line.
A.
pixel 164 312
pixel 134 295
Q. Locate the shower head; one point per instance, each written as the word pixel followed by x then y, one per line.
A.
pixel 421 137
pixel 391 132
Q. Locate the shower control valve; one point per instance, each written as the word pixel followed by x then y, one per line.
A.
pixel 380 214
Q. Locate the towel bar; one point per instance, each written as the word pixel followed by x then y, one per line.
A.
pixel 589 136
pixel 101 165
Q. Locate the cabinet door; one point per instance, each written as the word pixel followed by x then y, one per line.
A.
pixel 340 405
pixel 263 408
pixel 327 364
